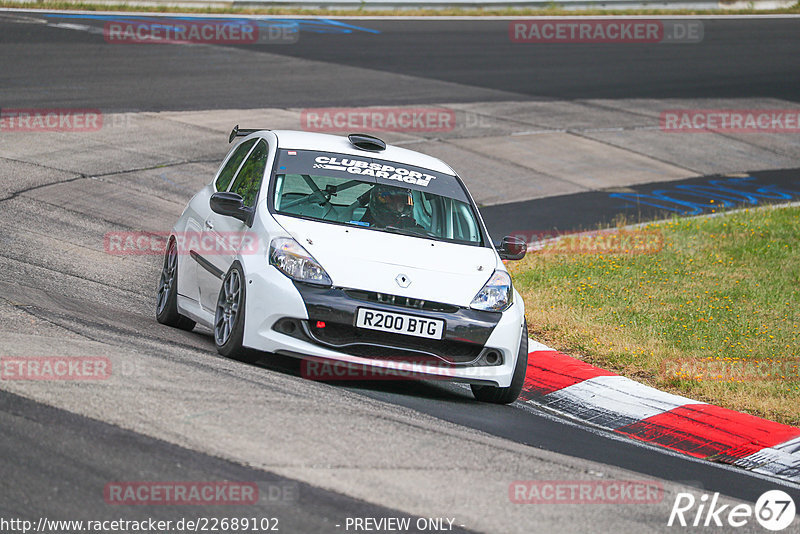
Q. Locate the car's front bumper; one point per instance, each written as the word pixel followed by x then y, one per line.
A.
pixel 461 355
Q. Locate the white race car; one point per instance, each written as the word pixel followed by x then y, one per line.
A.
pixel 347 251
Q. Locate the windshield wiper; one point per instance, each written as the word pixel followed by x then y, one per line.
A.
pixel 414 232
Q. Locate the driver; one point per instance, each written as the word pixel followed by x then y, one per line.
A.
pixel 390 206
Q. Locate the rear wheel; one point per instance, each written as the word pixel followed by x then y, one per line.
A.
pixel 167 304
pixel 229 317
pixel 507 395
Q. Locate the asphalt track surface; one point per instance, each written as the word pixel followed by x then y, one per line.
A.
pixel 469 59
pixel 34 487
pixel 641 203
pixel 46 66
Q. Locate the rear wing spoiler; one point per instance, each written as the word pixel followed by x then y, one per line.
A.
pixel 237 132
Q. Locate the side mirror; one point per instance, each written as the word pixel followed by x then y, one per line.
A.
pixel 512 248
pixel 230 205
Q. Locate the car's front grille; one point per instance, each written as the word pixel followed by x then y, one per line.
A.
pixel 385 345
pixel 396 300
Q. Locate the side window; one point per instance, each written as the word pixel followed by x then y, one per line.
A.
pixel 248 181
pixel 226 175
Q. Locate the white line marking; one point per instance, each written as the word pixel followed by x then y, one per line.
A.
pixel 535 346
pixel 782 460
pixel 613 401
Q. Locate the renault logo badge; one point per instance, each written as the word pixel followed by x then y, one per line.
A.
pixel 403 280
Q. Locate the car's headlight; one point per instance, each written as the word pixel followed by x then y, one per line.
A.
pixel 496 295
pixel 294 261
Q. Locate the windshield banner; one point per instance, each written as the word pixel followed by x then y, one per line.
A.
pixel 369 170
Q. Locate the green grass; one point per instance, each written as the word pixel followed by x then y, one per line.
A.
pixel 552 9
pixel 722 289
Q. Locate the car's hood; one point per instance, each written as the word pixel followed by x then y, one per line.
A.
pixel 371 260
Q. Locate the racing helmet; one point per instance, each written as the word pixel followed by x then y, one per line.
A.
pixel 388 203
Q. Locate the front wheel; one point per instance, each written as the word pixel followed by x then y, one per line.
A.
pixel 507 395
pixel 229 317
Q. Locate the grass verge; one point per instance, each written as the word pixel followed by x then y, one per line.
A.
pixel 712 314
pixel 552 10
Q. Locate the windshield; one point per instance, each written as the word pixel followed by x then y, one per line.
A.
pixel 377 202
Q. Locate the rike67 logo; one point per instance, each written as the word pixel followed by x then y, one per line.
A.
pixel 774 510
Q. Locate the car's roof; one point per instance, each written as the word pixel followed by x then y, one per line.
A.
pixel 293 139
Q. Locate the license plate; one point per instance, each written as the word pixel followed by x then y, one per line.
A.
pixel 399 323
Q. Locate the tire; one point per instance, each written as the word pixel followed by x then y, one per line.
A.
pixel 167 298
pixel 507 395
pixel 229 317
